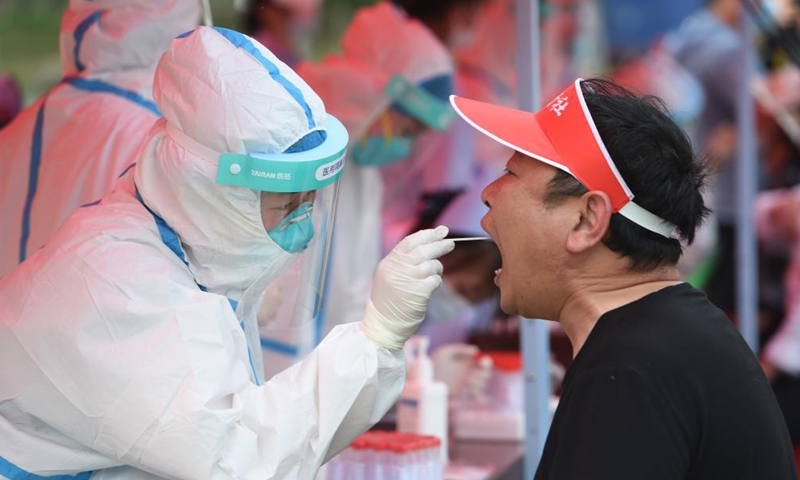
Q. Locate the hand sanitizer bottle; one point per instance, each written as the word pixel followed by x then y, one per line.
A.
pixel 422 407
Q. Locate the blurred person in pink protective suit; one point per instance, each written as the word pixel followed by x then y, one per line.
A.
pixel 390 83
pixel 69 147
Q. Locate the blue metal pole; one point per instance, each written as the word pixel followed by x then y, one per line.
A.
pixel 535 340
pixel 535 350
pixel 747 185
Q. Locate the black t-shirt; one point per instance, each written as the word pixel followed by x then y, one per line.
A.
pixel 666 388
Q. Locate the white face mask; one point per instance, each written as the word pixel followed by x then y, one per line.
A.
pixel 446 305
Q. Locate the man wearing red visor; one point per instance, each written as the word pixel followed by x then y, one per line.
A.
pixel 588 218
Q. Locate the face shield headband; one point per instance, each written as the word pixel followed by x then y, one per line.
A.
pixel 303 171
pixel 419 103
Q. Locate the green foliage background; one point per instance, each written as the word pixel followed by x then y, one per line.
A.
pixel 29 36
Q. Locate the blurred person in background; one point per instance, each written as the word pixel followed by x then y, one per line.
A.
pixel 129 339
pixel 286 27
pixel 778 98
pixel 560 29
pixel 390 84
pixel 486 68
pixel 452 21
pixel 778 214
pixel 10 99
pixel 68 148
pixel 440 165
pixel 711 46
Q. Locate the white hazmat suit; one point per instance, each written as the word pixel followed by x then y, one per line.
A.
pixel 118 365
pixel 69 147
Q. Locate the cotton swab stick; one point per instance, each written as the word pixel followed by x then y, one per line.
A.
pixel 469 239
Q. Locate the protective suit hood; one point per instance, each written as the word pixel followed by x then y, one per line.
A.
pixel 104 37
pixel 240 99
pixel 382 42
pixel 388 40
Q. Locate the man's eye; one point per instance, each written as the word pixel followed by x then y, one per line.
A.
pixel 507 171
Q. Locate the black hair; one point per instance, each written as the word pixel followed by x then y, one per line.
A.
pixel 655 158
pixel 251 18
pixel 431 11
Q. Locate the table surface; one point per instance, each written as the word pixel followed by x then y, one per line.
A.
pixel 505 457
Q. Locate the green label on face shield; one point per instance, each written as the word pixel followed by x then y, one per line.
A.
pixel 284 176
pixel 420 103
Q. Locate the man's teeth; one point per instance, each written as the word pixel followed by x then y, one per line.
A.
pixel 497 272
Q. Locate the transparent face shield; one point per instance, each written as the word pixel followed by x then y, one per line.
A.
pixel 295 297
pixel 298 205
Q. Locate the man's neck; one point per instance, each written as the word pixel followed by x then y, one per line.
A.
pixel 593 296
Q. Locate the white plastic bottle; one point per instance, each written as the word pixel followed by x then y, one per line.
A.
pixel 422 407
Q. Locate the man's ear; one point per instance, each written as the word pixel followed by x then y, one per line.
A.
pixel 595 214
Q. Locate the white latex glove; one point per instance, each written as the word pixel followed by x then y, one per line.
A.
pixel 402 286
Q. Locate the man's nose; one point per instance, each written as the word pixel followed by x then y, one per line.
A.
pixel 487 195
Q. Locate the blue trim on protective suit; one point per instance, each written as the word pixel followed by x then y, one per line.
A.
pixel 240 41
pixel 311 140
pixel 127 169
pixel 92 204
pixel 13 472
pixel 280 347
pixel 33 181
pixel 168 235
pixel 80 31
pixel 99 86
pixel 250 357
pixel 170 239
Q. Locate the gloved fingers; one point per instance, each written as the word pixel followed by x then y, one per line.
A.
pixel 431 283
pixel 421 237
pixel 426 269
pixel 430 251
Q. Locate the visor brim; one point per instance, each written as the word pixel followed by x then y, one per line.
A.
pixel 516 129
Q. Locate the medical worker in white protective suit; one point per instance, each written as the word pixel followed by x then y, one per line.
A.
pixel 129 340
pixel 391 82
pixel 69 147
